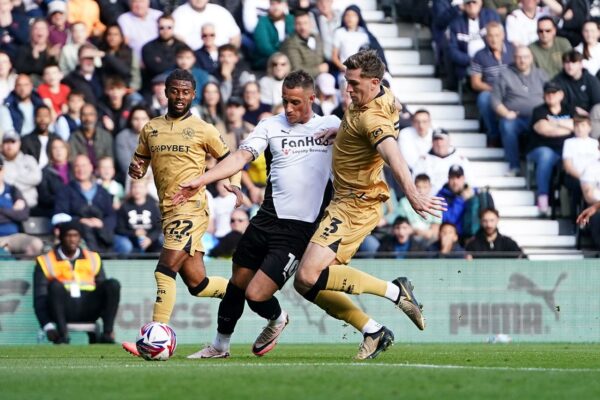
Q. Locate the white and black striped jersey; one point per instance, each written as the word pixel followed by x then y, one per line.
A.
pixel 298 165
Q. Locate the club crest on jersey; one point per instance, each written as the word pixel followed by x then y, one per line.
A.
pixel 376 133
pixel 187 133
pixel 154 133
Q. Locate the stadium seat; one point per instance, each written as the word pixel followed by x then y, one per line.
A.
pixel 37 226
pixel 93 330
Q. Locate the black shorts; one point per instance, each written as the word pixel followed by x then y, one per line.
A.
pixel 274 246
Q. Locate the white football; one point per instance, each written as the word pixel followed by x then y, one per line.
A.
pixel 156 341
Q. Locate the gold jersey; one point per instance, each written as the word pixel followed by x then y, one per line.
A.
pixel 357 166
pixel 177 150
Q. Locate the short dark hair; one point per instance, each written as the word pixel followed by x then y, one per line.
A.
pixel 139 107
pixel 547 18
pixel 301 12
pixel 42 107
pixel 449 224
pixel 421 111
pixel 74 93
pixel 487 210
pixel 400 221
pixel 422 178
pixel 114 81
pixel 227 47
pixel 184 48
pixel 299 78
pixel 180 75
pixel 166 16
pixel 579 118
pixel 368 62
pixel 572 56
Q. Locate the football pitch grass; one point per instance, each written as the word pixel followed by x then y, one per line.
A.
pixel 315 371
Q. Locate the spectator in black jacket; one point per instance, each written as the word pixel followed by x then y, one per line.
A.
pixel 488 242
pixel 86 78
pixel 582 90
pixel 88 203
pixel 37 142
pixel 138 222
pixel 447 246
pixel 207 56
pixel 401 242
pixel 158 55
pixel 55 178
pixel 231 73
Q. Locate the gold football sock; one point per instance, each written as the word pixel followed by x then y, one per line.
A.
pixel 165 296
pixel 340 306
pixel 347 279
pixel 215 287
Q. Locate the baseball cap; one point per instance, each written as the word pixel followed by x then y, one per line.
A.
pixel 69 226
pixel 440 133
pixel 469 1
pixel 551 87
pixel 326 84
pixel 11 136
pixel 57 6
pixel 456 171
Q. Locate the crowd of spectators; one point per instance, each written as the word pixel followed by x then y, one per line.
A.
pixel 79 78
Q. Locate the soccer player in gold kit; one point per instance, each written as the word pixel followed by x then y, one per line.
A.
pixel 176 146
pixel 365 141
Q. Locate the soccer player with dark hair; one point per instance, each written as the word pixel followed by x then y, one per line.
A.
pixel 176 146
pixel 297 191
pixel 365 141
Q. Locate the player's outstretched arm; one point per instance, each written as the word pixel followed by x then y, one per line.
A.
pixel 584 217
pixel 230 165
pixel 422 204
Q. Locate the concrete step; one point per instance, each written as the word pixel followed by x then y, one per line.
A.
pixel 427 97
pixel 407 29
pixel 402 57
pixel 365 5
pixel 488 168
pixel 518 211
pixel 499 182
pixel 399 71
pixel 513 197
pixel 416 85
pixel 380 30
pixel 547 241
pixel 482 153
pixel 528 227
pixel 470 140
pixel 440 111
pixel 554 257
pixel 392 43
pixel 458 125
pixel 372 15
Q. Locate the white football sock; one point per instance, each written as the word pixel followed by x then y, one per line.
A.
pixel 279 320
pixel 392 292
pixel 221 342
pixel 371 327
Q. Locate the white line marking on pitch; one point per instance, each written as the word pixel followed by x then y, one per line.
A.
pixel 227 364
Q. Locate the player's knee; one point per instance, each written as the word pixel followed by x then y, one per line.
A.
pixel 255 293
pixel 304 280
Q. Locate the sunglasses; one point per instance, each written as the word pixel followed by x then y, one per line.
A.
pixel 162 28
pixel 232 220
pixel 544 30
pixel 281 64
pixel 205 35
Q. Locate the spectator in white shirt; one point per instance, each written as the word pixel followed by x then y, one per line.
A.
pixel 590 183
pixel 590 48
pixel 521 24
pixel 191 16
pixel 438 161
pixel 415 141
pixel 578 153
pixel 140 25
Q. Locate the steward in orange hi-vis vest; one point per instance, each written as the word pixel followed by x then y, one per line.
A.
pixel 70 286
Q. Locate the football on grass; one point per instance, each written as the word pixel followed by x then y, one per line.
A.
pixel 156 341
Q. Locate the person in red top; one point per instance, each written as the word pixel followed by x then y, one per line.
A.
pixel 53 90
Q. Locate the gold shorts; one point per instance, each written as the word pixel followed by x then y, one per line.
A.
pixel 184 227
pixel 345 225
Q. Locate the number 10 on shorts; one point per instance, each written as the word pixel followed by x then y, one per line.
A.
pixel 290 267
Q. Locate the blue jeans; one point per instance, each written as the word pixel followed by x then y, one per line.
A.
pixel 545 159
pixel 122 245
pixel 488 115
pixel 510 129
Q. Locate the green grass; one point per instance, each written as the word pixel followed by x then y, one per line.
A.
pixel 440 371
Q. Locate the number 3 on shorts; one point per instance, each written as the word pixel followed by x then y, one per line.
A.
pixel 332 228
